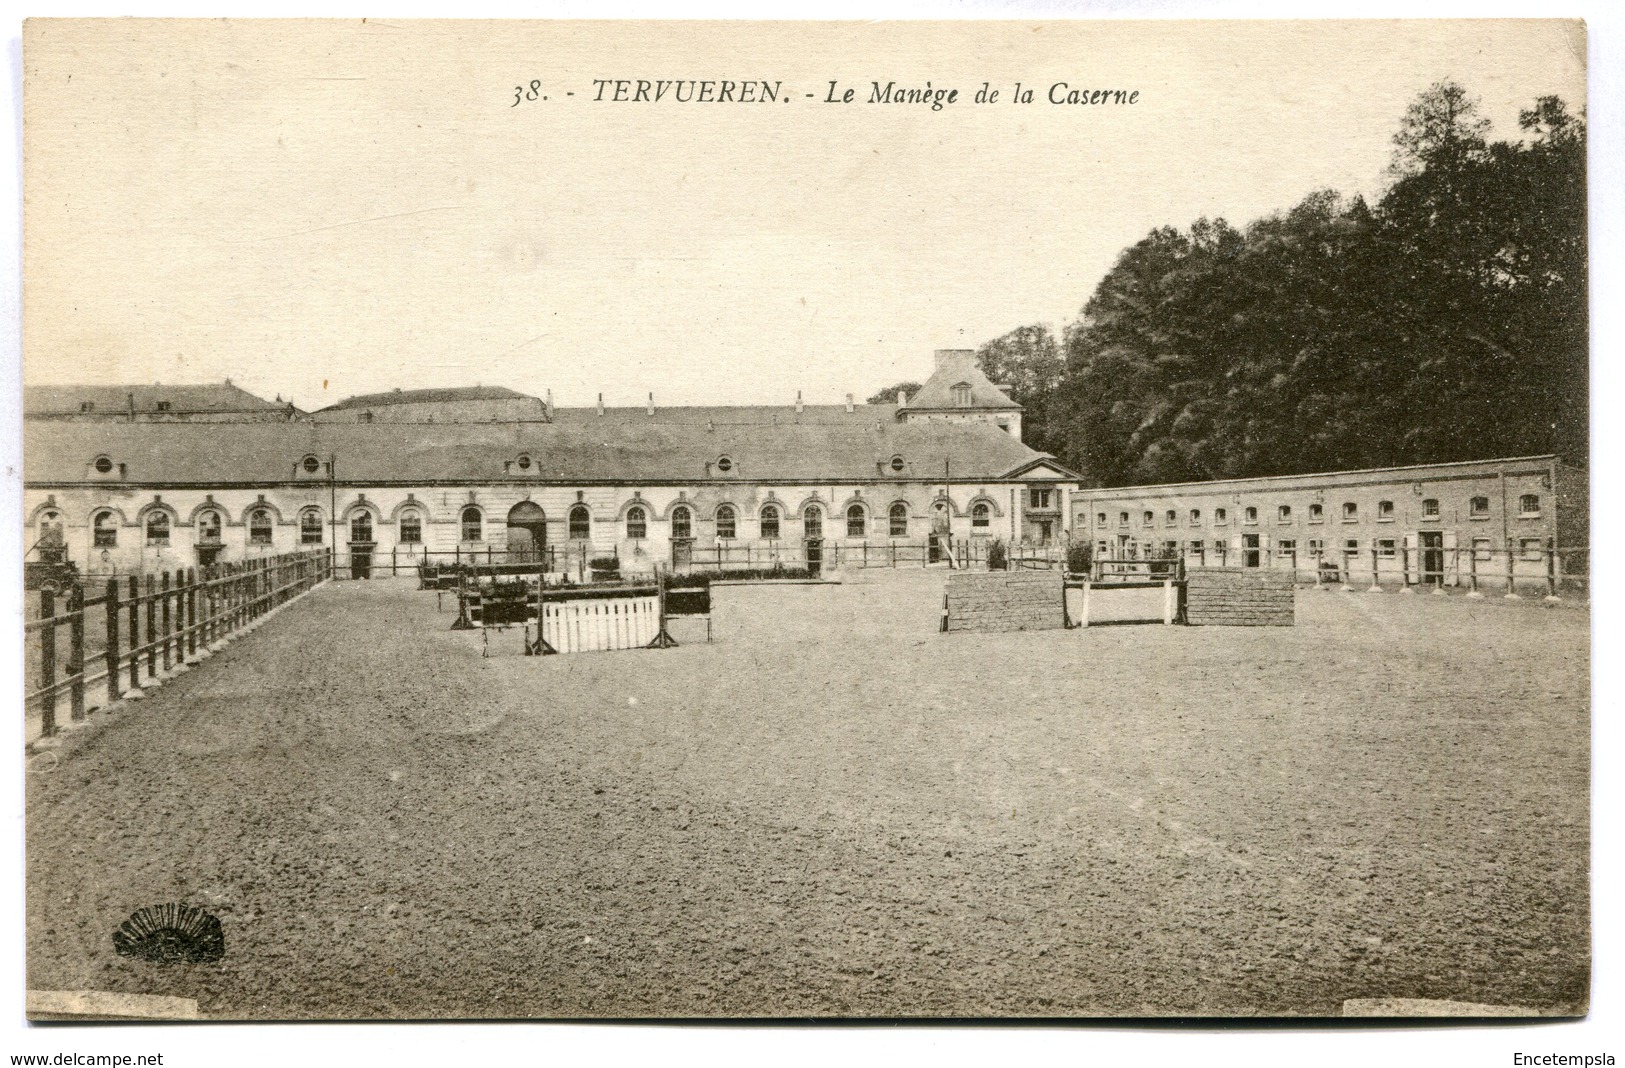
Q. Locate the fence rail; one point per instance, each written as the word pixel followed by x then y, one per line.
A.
pixel 148 626
pixel 1551 569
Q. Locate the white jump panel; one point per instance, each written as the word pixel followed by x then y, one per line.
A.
pixel 601 624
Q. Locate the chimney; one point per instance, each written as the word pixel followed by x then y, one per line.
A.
pixel 548 404
pixel 902 398
pixel 849 402
pixel 600 404
pixel 131 398
pixel 798 402
pixel 651 403
pixel 948 357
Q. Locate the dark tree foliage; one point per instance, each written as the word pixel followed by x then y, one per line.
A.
pixel 1446 322
pixel 889 394
pixel 1028 363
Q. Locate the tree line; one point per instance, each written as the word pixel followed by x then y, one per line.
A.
pixel 1447 321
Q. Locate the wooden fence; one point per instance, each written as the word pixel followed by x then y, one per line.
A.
pixel 143 627
pixel 1549 570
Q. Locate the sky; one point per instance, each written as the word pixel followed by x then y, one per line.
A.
pixel 316 210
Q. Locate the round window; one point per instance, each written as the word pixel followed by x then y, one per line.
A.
pixel 896 463
pixel 724 464
pixel 524 462
pixel 311 465
pixel 103 465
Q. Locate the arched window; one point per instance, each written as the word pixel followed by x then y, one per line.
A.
pixel 770 521
pixel 1385 509
pixel 411 527
pixel 1196 517
pixel 158 528
pixel 580 523
pixel 812 521
pixel 1249 514
pixel 1351 511
pixel 50 527
pixel 725 521
pixel 980 515
pixel 961 394
pixel 472 523
pixel 104 530
pixel 637 523
pixel 1171 517
pixel 310 526
pixel 682 522
pixel 259 527
pixel 899 520
pixel 854 521
pixel 361 527
pixel 208 527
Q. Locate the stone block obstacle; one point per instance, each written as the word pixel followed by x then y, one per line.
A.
pixel 993 601
pixel 1237 597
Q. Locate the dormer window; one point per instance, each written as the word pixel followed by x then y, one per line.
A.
pixel 961 395
pixel 897 463
pixel 725 464
pixel 103 465
pixel 87 406
pixel 162 406
pixel 310 465
pixel 523 462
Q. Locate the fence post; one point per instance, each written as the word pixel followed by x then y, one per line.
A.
pixel 135 638
pixel 190 645
pixel 1512 577
pixel 1376 563
pixel 1405 568
pixel 1472 573
pixel 76 652
pixel 111 612
pixel 1551 575
pixel 47 662
pixel 167 632
pixel 152 626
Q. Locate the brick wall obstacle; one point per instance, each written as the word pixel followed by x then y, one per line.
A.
pixel 1236 597
pixel 1004 601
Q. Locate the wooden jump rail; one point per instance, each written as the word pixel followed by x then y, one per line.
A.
pixel 174 620
pixel 1109 574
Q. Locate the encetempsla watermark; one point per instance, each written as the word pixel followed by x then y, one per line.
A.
pixel 1579 1060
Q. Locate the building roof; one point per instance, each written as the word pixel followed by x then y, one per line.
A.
pixel 732 415
pixel 446 395
pixel 1372 475
pixel 956 367
pixel 205 397
pixel 587 451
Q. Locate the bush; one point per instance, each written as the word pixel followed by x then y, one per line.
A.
pixel 604 563
pixel 1080 557
pixel 998 557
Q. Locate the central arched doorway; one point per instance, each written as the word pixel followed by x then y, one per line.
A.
pixel 527 532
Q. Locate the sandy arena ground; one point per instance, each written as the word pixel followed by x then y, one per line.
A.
pixel 835 809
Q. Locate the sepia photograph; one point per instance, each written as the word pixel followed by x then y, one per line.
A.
pixel 764 521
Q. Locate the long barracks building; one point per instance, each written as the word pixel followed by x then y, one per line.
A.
pixel 1428 523
pixel 135 486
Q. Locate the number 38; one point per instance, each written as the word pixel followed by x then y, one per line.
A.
pixel 521 93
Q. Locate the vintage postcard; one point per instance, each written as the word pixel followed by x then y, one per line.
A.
pixel 778 520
